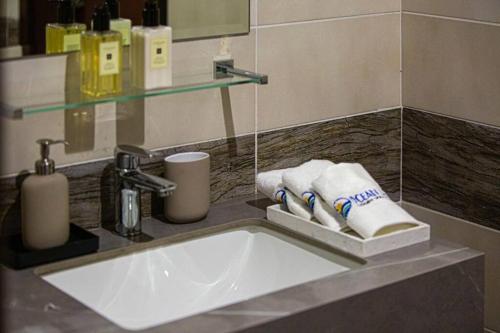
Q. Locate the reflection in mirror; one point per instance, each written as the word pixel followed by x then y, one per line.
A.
pixel 30 27
pixel 193 19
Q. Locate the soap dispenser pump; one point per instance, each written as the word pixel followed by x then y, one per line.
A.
pixel 45 203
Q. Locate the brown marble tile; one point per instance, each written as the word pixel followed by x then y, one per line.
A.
pixel 452 166
pixel 91 184
pixel 373 140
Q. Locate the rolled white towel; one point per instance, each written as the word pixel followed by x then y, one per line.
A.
pixel 299 181
pixel 271 185
pixel 352 192
pixel 297 206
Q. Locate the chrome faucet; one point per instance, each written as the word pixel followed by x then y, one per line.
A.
pixel 130 181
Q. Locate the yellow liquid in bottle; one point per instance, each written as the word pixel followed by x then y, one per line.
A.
pixel 62 38
pixel 101 63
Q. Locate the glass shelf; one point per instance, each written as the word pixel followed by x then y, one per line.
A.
pixel 69 97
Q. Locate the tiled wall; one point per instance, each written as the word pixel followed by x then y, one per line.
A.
pixel 169 120
pixel 450 58
pixel 324 60
pixel 327 59
pixel 451 138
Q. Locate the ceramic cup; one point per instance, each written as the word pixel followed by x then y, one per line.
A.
pixel 191 200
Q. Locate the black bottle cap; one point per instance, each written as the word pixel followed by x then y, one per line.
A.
pixel 151 14
pixel 114 8
pixel 65 11
pixel 100 18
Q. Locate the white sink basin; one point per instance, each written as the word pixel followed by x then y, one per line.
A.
pixel 160 285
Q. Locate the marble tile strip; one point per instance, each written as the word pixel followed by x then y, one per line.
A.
pixel 452 166
pixel 374 140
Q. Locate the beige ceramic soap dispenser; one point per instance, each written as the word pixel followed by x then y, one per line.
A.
pixel 45 203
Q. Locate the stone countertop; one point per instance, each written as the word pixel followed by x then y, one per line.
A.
pixel 29 304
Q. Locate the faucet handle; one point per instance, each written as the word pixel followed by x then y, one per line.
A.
pixel 127 157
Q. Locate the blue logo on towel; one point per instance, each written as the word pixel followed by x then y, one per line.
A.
pixel 343 205
pixel 309 198
pixel 280 196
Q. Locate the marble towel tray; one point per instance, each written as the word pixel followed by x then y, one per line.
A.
pixel 347 242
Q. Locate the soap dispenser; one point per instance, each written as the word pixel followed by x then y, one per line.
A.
pixel 45 203
pixel 151 50
pixel 101 56
pixel 64 35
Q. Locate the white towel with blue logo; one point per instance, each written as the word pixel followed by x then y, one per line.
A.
pixel 299 181
pixel 351 191
pixel 270 184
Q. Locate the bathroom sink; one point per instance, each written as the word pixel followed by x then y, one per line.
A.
pixel 162 284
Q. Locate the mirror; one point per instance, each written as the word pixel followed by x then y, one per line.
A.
pixel 194 19
pixel 23 22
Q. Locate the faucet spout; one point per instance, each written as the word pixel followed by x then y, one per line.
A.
pixel 136 178
pixel 130 181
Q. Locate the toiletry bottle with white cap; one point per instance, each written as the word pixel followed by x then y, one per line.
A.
pixel 45 203
pixel 151 50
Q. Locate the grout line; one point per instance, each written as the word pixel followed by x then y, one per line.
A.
pixel 256 100
pixel 451 18
pixel 401 92
pixel 330 119
pixel 401 158
pixel 453 117
pixel 331 19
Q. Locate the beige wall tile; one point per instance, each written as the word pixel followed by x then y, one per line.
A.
pixel 452 67
pixel 322 70
pixel 485 10
pixel 281 11
pixel 169 120
pixel 253 12
pixel 474 236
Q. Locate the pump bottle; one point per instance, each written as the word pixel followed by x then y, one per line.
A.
pixel 101 57
pixel 45 203
pixel 151 50
pixel 64 35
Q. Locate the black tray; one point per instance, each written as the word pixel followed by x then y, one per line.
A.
pixel 15 255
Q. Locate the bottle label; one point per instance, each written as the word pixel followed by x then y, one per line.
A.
pixel 159 53
pixel 71 42
pixel 122 27
pixel 108 58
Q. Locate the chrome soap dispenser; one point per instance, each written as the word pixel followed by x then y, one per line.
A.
pixel 45 203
